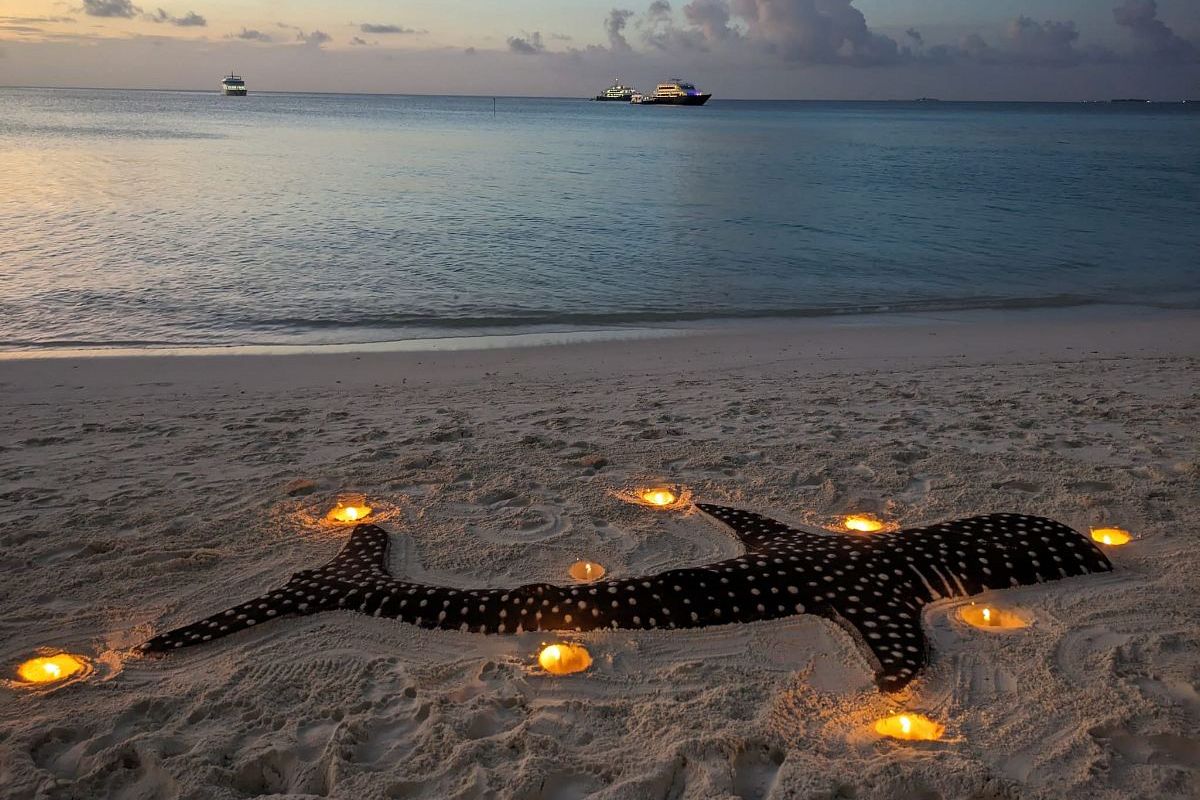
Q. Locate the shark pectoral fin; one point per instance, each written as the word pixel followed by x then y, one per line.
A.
pixel 891 630
pixel 365 554
pixel 754 530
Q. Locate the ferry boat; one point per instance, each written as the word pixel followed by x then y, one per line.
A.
pixel 675 92
pixel 233 85
pixel 617 92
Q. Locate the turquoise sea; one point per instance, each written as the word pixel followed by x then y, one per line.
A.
pixel 185 218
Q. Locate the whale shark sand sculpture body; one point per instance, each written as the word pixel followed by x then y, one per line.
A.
pixel 875 585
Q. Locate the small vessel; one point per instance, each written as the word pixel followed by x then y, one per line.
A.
pixel 233 85
pixel 675 92
pixel 617 92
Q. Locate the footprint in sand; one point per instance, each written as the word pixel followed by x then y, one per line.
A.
pixel 1157 748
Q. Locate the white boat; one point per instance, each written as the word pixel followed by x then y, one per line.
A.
pixel 233 85
pixel 675 92
pixel 617 92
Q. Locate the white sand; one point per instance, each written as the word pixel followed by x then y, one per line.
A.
pixel 138 494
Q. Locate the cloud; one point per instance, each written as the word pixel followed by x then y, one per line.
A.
pixel 916 36
pixel 189 20
pixel 357 41
pixel 711 17
pixel 110 8
pixel 1048 42
pixel 614 25
pixel 815 31
pixel 314 39
pixel 250 35
pixel 1154 36
pixel 368 27
pixel 530 44
pixel 34 20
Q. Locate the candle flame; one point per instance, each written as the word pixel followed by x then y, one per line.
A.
pixel 50 669
pixel 349 512
pixel 564 659
pixel 862 523
pixel 1111 536
pixel 993 619
pixel 914 727
pixel 586 571
pixel 659 497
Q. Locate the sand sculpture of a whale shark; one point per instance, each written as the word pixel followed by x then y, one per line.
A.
pixel 876 586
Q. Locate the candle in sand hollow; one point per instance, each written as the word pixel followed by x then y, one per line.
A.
pixel 50 669
pixel 992 618
pixel 659 497
pixel 911 727
pixel 564 659
pixel 586 571
pixel 1111 536
pixel 862 523
pixel 349 510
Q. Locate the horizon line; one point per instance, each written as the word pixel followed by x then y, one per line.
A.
pixel 1183 100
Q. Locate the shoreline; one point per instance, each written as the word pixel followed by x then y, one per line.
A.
pixel 720 326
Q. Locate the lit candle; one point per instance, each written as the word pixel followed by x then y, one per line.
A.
pixel 50 669
pixel 349 510
pixel 659 497
pixel 912 727
pixel 564 659
pixel 862 523
pixel 1111 536
pixel 586 571
pixel 992 618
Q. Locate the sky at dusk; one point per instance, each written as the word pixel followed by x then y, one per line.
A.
pixel 821 49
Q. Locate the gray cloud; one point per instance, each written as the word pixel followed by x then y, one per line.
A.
pixel 34 20
pixel 530 44
pixel 1154 36
pixel 314 39
pixel 711 17
pixel 368 27
pixel 836 32
pixel 358 41
pixel 614 26
pixel 110 8
pixel 250 35
pixel 189 20
pixel 1048 42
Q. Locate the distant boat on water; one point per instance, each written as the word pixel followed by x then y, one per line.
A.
pixel 675 92
pixel 616 93
pixel 1129 100
pixel 233 85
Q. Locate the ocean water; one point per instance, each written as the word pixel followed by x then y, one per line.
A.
pixel 185 219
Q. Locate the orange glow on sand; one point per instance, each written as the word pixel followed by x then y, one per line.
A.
pixel 349 510
pixel 911 727
pixel 992 618
pixel 564 659
pixel 586 571
pixel 862 523
pixel 1111 536
pixel 662 498
pixel 659 497
pixel 50 669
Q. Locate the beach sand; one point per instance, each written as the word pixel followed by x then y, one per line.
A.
pixel 141 493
